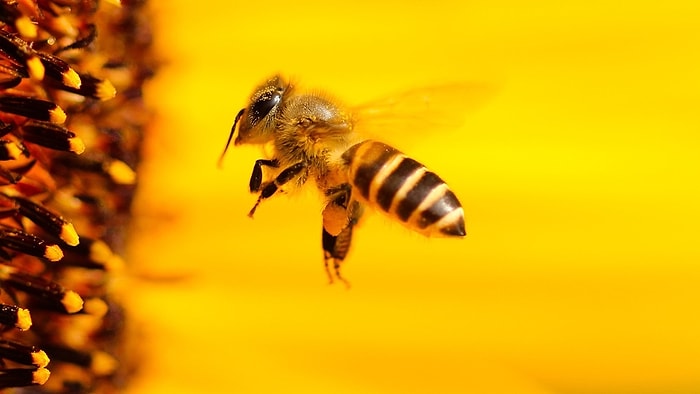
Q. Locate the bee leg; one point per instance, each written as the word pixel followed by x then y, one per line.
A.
pixel 336 247
pixel 256 176
pixel 285 176
pixel 335 212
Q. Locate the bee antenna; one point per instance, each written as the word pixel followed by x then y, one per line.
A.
pixel 230 136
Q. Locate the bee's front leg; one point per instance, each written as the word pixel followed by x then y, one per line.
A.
pixel 257 176
pixel 269 189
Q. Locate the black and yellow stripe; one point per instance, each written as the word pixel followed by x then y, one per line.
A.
pixel 404 189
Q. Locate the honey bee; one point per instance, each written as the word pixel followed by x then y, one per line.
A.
pixel 310 136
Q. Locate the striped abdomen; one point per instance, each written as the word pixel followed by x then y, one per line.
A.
pixel 404 189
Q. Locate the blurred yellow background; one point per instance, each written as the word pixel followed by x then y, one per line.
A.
pixel 578 174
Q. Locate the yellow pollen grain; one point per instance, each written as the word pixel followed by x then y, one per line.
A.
pixel 103 364
pixel 40 376
pixel 13 151
pixel 105 90
pixel 121 173
pixel 76 145
pixel 36 68
pixel 72 79
pixel 53 253
pixel 100 252
pixel 57 115
pixel 64 25
pixel 115 264
pixel 95 307
pixel 69 235
pixel 72 302
pixel 6 271
pixel 335 219
pixel 40 359
pixel 24 319
pixel 26 27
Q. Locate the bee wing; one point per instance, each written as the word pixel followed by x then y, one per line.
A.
pixel 420 110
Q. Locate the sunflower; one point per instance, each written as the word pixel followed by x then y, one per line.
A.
pixel 71 123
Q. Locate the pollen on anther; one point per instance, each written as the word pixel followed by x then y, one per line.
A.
pixel 121 173
pixel 57 115
pixel 71 78
pixel 105 90
pixel 36 68
pixel 40 376
pixel 100 252
pixel 40 359
pixel 53 253
pixel 26 27
pixel 69 235
pixel 13 151
pixel 76 145
pixel 95 307
pixel 63 25
pixel 24 319
pixel 114 264
pixel 72 302
pixel 103 364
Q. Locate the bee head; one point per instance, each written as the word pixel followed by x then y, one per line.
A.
pixel 257 122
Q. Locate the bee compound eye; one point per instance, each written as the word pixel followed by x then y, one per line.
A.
pixel 263 105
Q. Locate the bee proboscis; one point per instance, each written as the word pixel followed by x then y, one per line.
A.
pixel 313 137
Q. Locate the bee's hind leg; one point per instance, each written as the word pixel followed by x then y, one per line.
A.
pixel 336 247
pixel 269 189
